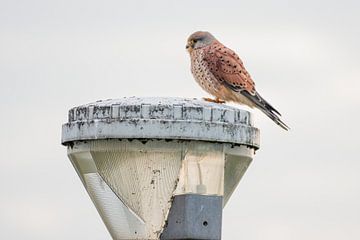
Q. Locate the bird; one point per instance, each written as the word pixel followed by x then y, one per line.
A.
pixel 221 73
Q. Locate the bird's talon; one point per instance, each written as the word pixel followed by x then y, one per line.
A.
pixel 216 100
pixel 208 99
pixel 219 101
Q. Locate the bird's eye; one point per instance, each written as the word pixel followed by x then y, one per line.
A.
pixel 194 41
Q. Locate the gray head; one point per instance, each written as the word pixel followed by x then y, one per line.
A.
pixel 199 39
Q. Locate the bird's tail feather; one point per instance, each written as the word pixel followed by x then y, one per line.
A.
pixel 266 108
pixel 275 118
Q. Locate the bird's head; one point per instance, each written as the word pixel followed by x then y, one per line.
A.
pixel 198 40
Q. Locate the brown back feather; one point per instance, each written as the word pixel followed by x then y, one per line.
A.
pixel 228 68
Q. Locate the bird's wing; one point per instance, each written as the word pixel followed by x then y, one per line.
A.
pixel 228 69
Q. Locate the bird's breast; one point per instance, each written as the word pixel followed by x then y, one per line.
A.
pixel 202 74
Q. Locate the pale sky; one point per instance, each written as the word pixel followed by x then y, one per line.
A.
pixel 303 56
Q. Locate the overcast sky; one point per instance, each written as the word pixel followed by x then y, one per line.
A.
pixel 303 56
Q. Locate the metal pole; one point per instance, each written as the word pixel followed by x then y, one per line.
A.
pixel 160 168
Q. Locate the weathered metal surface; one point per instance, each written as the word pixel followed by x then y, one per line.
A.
pixel 141 158
pixel 119 219
pixel 237 160
pixel 132 182
pixel 160 118
pixel 194 216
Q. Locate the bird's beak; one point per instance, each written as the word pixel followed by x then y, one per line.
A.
pixel 187 46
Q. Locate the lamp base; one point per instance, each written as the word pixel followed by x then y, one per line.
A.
pixel 194 216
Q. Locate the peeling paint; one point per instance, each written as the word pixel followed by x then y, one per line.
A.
pixel 160 118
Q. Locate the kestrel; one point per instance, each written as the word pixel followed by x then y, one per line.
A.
pixel 220 72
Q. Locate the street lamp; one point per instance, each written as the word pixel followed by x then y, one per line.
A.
pixel 160 168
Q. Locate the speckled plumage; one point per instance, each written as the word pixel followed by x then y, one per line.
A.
pixel 220 72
